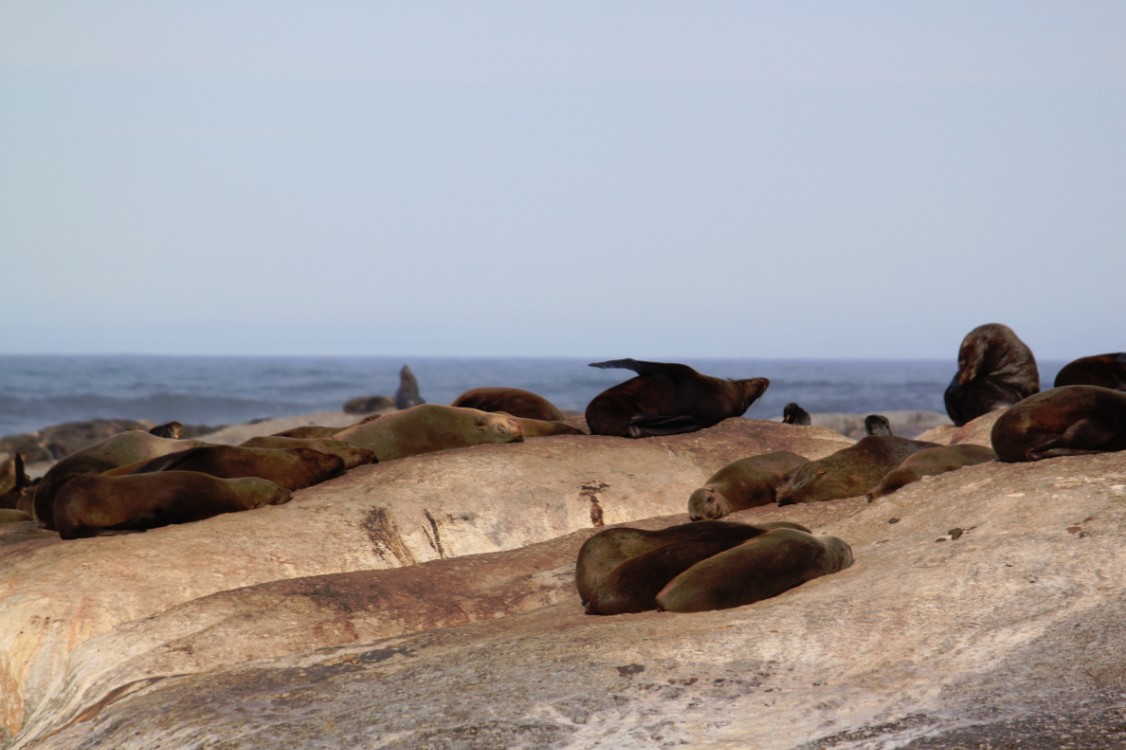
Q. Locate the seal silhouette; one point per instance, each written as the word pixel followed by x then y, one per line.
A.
pixel 742 484
pixel 794 414
pixel 667 399
pixel 929 462
pixel 1106 370
pixel 995 369
pixel 515 401
pixel 431 427
pixel 849 472
pixel 1067 421
pixel 291 468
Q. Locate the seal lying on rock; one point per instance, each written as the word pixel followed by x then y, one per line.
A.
pixel 849 472
pixel 292 468
pixel 1066 421
pixel 995 369
pixel 742 484
pixel 430 427
pixel 1106 370
pixel 352 455
pixel 928 462
pixel 757 569
pixel 515 401
pixel 667 399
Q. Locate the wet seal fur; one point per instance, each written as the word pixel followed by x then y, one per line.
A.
pixel 995 369
pixel 742 484
pixel 758 569
pixel 291 468
pixel 849 472
pixel 1070 420
pixel 1105 370
pixel 667 399
pixel 929 462
pixel 794 414
pixel 91 504
pixel 430 427
pixel 515 401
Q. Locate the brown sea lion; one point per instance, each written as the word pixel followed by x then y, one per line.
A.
pixel 544 428
pixel 667 399
pixel 90 504
pixel 849 472
pixel 291 468
pixel 12 471
pixel 118 450
pixel 1105 370
pixel 172 429
pixel 609 548
pixel 794 414
pixel 515 401
pixel 407 394
pixel 430 427
pixel 757 569
pixel 877 424
pixel 929 462
pixel 1070 420
pixel 742 484
pixel 352 455
pixel 995 369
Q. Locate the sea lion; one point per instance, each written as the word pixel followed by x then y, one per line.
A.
pixel 291 468
pixel 18 488
pixel 794 414
pixel 309 431
pixel 757 569
pixel 430 427
pixel 544 428
pixel 515 401
pixel 168 430
pixel 1105 370
pixel 849 472
pixel 608 549
pixel 352 455
pixel 407 394
pixel 742 484
pixel 928 462
pixel 368 404
pixel 117 450
pixel 1067 421
pixel 667 399
pixel 995 369
pixel 877 424
pixel 90 504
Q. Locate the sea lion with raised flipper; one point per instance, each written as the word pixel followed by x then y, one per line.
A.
pixel 929 462
pixel 1070 420
pixel 794 414
pixel 431 427
pixel 92 504
pixel 742 484
pixel 515 401
pixel 763 567
pixel 1105 370
pixel 352 455
pixel 291 468
pixel 667 399
pixel 995 369
pixel 608 549
pixel 848 472
pixel 877 424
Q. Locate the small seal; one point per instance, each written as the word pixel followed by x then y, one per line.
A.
pixel 667 399
pixel 742 484
pixel 877 424
pixel 995 369
pixel 430 427
pixel 794 414
pixel 849 472
pixel 1105 370
pixel 515 401
pixel 929 462
pixel 1067 421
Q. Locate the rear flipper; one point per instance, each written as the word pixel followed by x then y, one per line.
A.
pixel 645 426
pixel 1081 438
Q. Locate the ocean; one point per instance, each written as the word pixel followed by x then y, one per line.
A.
pixel 37 391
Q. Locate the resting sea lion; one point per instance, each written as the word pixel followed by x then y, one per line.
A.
pixel 794 414
pixel 928 462
pixel 168 430
pixel 407 394
pixel 430 427
pixel 291 468
pixel 758 569
pixel 515 401
pixel 667 399
pixel 1105 370
pixel 742 484
pixel 90 504
pixel 877 424
pixel 352 455
pixel 849 472
pixel 995 369
pixel 606 550
pixel 1067 421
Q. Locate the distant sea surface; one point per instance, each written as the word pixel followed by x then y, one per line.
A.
pixel 37 391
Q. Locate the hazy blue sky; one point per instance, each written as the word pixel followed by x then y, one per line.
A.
pixel 646 179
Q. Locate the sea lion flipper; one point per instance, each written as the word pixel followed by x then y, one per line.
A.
pixel 638 366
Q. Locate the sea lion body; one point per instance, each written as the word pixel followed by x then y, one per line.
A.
pixel 407 395
pixel 90 504
pixel 1066 421
pixel 544 428
pixel 995 369
pixel 742 484
pixel 929 462
pixel 794 414
pixel 849 472
pixel 667 399
pixel 291 468
pixel 309 431
pixel 430 427
pixel 515 401
pixel 352 455
pixel 758 569
pixel 1105 370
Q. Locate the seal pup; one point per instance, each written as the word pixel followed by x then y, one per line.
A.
pixel 1070 420
pixel 742 484
pixel 430 427
pixel 877 424
pixel 929 462
pixel 291 468
pixel 995 369
pixel 758 569
pixel 1106 370
pixel 407 394
pixel 91 504
pixel 849 472
pixel 667 399
pixel 515 401
pixel 794 414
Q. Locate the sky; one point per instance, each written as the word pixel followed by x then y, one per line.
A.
pixel 656 180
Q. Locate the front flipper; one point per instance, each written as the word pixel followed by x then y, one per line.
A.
pixel 638 366
pixel 644 426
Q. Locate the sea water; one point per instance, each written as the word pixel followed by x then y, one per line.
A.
pixel 36 391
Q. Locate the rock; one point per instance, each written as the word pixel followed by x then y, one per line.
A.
pixel 976 431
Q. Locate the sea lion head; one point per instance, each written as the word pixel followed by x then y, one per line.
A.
pixel 499 427
pixel 706 503
pixel 751 389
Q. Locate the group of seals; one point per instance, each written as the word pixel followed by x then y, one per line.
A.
pixel 995 369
